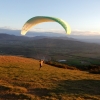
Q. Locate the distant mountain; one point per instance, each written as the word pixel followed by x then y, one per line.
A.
pixel 4 36
pixel 14 37
pixel 90 40
pixel 79 37
pixel 58 47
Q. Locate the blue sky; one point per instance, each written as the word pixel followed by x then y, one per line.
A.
pixel 83 16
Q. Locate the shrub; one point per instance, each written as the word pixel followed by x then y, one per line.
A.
pixel 94 69
pixel 60 65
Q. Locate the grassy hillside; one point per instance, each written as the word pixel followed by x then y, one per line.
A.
pixel 20 78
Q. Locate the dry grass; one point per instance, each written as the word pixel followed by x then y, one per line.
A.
pixel 20 78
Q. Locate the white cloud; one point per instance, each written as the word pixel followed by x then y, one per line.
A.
pixel 9 28
pixel 74 32
pixel 60 31
pixel 48 30
pixel 85 33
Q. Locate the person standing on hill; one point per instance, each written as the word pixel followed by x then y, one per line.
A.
pixel 41 63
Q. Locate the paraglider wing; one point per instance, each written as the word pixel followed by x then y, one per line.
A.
pixel 39 19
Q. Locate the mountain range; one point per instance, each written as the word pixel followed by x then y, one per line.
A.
pixel 58 47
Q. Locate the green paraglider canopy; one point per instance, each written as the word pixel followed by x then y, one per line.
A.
pixel 39 19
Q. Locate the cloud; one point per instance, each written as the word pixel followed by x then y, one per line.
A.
pixel 85 33
pixel 74 32
pixel 49 32
pixel 8 28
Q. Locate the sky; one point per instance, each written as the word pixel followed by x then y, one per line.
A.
pixel 83 16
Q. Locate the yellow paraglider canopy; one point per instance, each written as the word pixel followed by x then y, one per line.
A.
pixel 39 19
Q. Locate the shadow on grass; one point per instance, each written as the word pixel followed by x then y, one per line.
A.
pixel 90 87
pixel 66 87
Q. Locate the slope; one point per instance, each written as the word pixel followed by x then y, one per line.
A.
pixel 20 78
